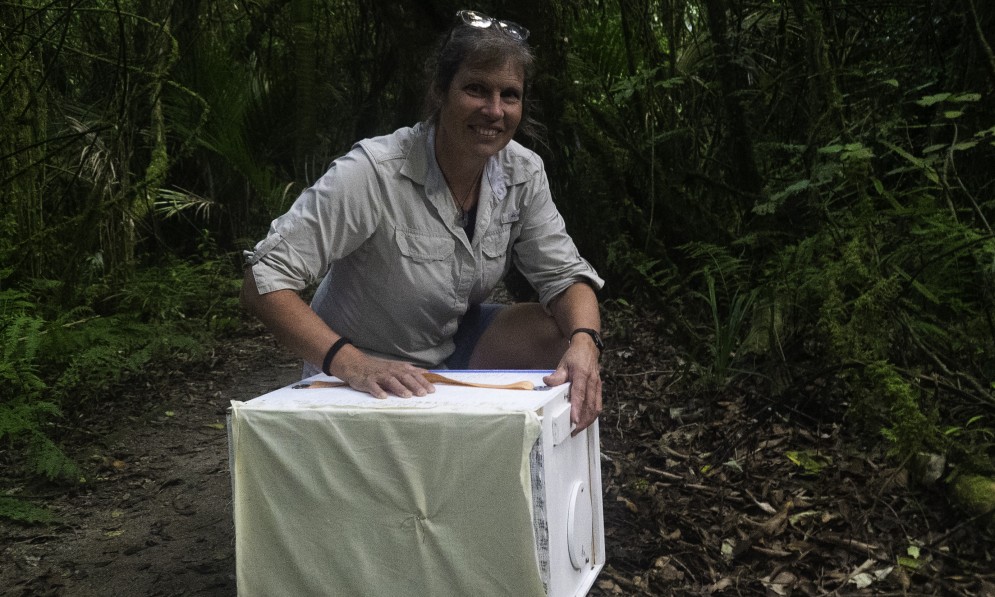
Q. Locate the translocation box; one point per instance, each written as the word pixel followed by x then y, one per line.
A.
pixel 466 491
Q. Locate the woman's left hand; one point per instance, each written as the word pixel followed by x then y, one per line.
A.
pixel 579 366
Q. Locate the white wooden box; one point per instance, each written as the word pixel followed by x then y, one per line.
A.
pixel 466 491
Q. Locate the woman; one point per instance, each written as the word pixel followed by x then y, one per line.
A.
pixel 410 232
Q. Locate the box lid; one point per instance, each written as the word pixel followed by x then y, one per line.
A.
pixel 446 397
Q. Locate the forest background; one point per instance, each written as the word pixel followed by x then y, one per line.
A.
pixel 799 192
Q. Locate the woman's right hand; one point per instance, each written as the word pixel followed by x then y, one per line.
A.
pixel 295 325
pixel 379 377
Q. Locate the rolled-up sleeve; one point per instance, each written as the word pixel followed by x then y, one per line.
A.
pixel 328 221
pixel 543 251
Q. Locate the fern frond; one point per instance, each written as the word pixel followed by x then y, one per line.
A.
pixel 48 459
pixel 21 339
pixel 24 417
pixel 21 511
pixel 21 336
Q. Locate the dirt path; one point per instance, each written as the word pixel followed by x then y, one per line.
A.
pixel 154 517
pixel 732 494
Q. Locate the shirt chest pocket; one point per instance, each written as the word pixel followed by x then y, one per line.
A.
pixel 424 272
pixel 494 248
pixel 424 248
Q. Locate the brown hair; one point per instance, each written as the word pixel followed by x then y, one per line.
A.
pixel 478 48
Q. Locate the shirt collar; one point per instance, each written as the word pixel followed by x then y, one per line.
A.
pixel 422 167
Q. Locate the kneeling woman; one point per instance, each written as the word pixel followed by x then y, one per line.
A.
pixel 410 232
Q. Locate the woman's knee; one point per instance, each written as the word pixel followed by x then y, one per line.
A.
pixel 522 336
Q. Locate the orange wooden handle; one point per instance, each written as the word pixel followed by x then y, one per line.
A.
pixel 518 385
pixel 312 385
pixel 433 378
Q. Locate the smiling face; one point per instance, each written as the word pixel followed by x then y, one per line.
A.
pixel 480 113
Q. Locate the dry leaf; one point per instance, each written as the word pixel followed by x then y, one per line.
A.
pixel 781 585
pixel 628 504
pixel 721 585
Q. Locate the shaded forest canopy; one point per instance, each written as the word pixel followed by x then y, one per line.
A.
pixel 802 188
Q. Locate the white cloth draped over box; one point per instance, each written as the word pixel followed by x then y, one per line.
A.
pixel 337 493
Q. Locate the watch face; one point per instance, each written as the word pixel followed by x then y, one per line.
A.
pixel 598 342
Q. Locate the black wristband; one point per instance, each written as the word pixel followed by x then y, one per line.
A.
pixel 594 336
pixel 334 350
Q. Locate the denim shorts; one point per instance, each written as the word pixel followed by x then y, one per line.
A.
pixel 473 326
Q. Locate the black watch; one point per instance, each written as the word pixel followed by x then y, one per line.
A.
pixel 594 336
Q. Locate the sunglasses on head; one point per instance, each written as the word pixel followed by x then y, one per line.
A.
pixel 482 21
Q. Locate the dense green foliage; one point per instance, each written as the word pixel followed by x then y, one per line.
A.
pixel 803 186
pixel 56 359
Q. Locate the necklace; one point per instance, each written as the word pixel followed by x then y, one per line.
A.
pixel 462 217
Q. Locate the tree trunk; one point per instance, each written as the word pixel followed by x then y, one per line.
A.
pixel 550 39
pixel 825 99
pixel 305 106
pixel 740 151
pixel 23 123
pixel 979 26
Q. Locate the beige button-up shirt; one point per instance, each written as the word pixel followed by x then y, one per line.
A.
pixel 379 230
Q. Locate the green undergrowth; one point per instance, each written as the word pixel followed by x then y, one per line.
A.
pixel 57 360
pixel 888 297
